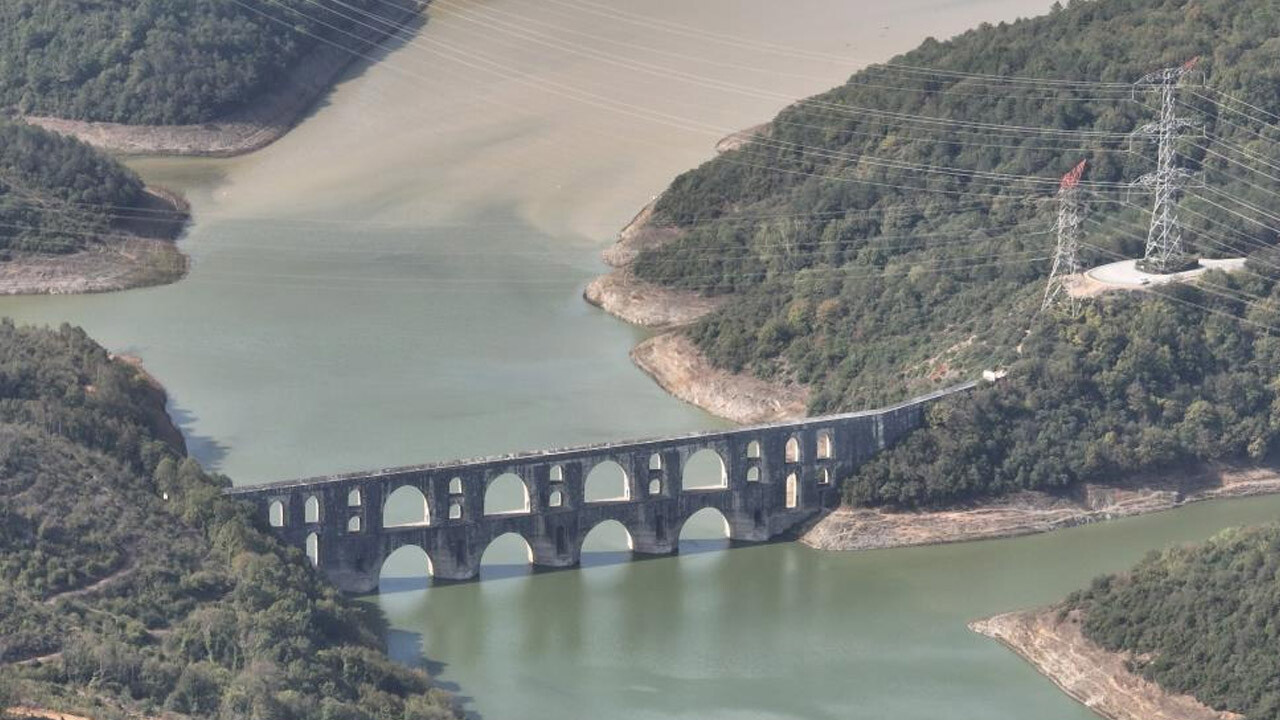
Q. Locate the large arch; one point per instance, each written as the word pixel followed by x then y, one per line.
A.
pixel 704 470
pixel 406 506
pixel 506 494
pixel 408 568
pixel 607 543
pixel 706 529
pixel 607 482
pixel 507 555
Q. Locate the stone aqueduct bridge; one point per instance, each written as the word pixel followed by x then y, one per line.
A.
pixel 773 478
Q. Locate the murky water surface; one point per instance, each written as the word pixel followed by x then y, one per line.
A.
pixel 398 280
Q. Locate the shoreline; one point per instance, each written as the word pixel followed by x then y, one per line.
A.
pixel 265 119
pixel 1097 678
pixel 132 254
pixel 166 428
pixel 1032 513
pixel 671 359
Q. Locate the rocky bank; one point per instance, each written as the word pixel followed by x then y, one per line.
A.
pixel 672 359
pixel 132 253
pixel 1101 680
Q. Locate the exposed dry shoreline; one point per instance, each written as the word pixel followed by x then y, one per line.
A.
pixel 134 253
pixel 1030 512
pixel 674 362
pixel 1092 675
pixel 263 121
pixel 671 359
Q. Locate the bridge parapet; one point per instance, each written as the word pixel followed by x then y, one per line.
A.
pixel 772 478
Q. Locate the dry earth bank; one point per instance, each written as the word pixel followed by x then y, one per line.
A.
pixel 1096 677
pixel 671 359
pixel 134 253
pixel 263 121
pixel 1033 512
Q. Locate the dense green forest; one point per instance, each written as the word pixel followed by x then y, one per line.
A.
pixel 891 236
pixel 58 194
pixel 1136 383
pixel 202 612
pixel 164 61
pixel 1203 618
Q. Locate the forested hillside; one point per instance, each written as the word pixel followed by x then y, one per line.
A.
pixel 892 235
pixel 162 61
pixel 1201 620
pixel 1138 383
pixel 129 585
pixel 57 194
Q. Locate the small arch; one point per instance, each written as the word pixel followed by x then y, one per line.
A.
pixel 311 510
pixel 353 524
pixel 655 487
pixel 556 499
pixel 753 450
pixel 608 543
pixel 275 514
pixel 705 470
pixel 354 499
pixel 455 486
pixel 455 510
pixel 506 494
pixel 753 474
pixel 793 491
pixel 406 506
pixel 607 482
pixel 655 462
pixel 824 476
pixel 793 450
pixel 507 555
pixel 313 549
pixel 557 473
pixel 707 529
pixel 408 568
pixel 824 445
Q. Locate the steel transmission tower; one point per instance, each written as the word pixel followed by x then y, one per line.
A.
pixel 1164 239
pixel 1066 261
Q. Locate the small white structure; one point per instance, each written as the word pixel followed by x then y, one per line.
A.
pixel 994 375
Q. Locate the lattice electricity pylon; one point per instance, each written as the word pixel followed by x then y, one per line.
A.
pixel 1066 260
pixel 1164 238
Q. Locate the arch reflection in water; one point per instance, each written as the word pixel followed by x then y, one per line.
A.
pixel 704 531
pixel 507 556
pixel 608 543
pixel 407 569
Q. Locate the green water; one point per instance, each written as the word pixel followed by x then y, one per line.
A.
pixel 398 281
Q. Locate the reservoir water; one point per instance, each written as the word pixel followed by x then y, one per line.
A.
pixel 398 281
